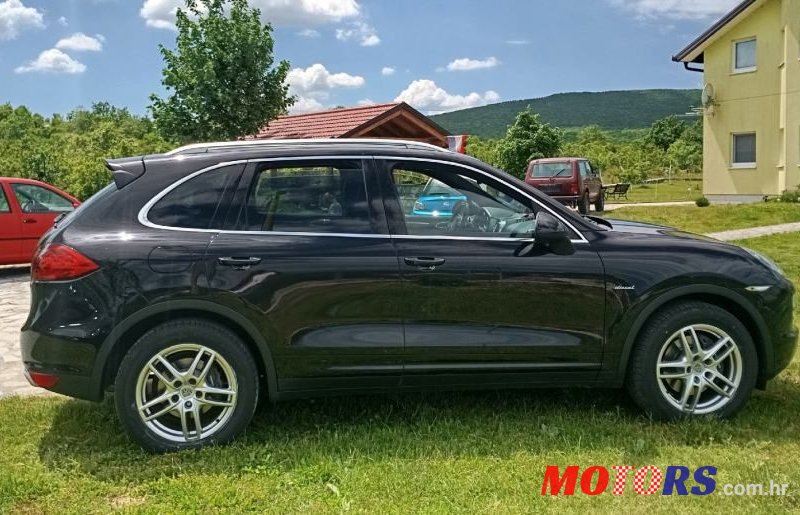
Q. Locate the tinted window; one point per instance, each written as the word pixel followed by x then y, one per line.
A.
pixel 552 170
pixel 318 198
pixel 195 204
pixel 466 205
pixel 4 207
pixel 35 199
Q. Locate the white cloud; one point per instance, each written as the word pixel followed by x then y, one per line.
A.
pixel 675 9
pixel 360 31
pixel 53 61
pixel 518 42
pixel 313 85
pixel 160 14
pixel 387 70
pixel 425 95
pixel 366 102
pixel 308 33
pixel 465 64
pixel 80 42
pixel 63 21
pixel 15 17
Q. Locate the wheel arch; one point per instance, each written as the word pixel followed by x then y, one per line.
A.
pixel 726 299
pixel 132 328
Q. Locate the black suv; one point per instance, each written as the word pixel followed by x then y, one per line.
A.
pixel 203 279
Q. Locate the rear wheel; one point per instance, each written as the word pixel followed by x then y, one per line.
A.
pixel 186 384
pixel 600 203
pixel 693 359
pixel 583 203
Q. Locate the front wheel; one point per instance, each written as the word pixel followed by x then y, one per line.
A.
pixel 186 384
pixel 600 203
pixel 693 359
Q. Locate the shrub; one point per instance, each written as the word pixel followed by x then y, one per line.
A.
pixel 702 202
pixel 790 195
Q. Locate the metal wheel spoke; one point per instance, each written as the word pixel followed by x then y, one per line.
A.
pixel 172 370
pixel 727 350
pixel 682 365
pixel 714 386
pixel 185 425
pixel 197 423
pixel 718 375
pixel 206 367
pixel 155 402
pixel 171 406
pixel 161 377
pixel 689 401
pixel 209 390
pixel 691 344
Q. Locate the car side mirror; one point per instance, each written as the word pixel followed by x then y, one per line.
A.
pixel 552 235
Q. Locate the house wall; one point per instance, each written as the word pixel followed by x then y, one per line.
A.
pixel 765 101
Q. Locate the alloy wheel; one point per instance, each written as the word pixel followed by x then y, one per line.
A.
pixel 186 392
pixel 699 369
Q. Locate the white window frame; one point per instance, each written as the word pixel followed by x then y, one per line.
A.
pixel 736 165
pixel 734 47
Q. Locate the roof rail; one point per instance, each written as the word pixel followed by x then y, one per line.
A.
pixel 201 148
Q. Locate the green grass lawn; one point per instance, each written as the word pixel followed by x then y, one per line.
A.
pixel 663 192
pixel 435 453
pixel 714 218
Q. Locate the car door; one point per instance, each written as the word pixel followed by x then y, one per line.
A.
pixel 39 207
pixel 478 309
pixel 10 230
pixel 591 180
pixel 310 261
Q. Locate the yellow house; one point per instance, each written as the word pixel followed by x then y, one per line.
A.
pixel 750 60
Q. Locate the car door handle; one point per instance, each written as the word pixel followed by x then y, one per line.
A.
pixel 424 263
pixel 28 220
pixel 240 263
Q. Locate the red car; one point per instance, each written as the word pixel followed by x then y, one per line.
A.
pixel 570 180
pixel 28 209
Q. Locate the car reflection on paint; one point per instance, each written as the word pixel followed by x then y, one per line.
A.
pixel 437 200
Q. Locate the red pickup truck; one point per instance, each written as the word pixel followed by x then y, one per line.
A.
pixel 28 209
pixel 570 180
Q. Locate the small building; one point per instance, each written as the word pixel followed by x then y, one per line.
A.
pixel 751 101
pixel 396 120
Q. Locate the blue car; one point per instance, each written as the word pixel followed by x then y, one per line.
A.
pixel 437 200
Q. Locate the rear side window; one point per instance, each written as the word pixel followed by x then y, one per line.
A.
pixel 35 199
pixel 196 204
pixel 552 170
pixel 4 207
pixel 586 170
pixel 318 198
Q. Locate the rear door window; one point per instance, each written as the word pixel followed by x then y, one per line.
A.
pixel 199 202
pixel 4 207
pixel 36 199
pixel 313 197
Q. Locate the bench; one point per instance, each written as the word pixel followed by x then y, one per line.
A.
pixel 617 191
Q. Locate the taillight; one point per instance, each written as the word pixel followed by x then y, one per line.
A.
pixel 573 189
pixel 60 263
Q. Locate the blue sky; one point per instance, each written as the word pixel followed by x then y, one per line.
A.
pixel 438 55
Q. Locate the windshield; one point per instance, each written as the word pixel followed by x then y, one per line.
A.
pixel 552 170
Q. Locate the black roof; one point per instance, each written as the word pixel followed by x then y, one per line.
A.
pixel 705 36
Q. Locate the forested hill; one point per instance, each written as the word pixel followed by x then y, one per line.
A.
pixel 613 110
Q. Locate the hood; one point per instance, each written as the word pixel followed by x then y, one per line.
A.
pixel 630 227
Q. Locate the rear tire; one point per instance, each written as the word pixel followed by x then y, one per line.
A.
pixel 675 371
pixel 600 203
pixel 186 384
pixel 583 204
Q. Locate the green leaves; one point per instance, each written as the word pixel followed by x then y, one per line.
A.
pixel 221 79
pixel 527 139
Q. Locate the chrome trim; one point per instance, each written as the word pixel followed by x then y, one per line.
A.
pixel 142 217
pixel 305 142
pixel 758 289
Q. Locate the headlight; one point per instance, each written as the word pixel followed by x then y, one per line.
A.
pixel 767 262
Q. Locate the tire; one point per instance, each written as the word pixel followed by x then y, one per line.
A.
pixel 664 396
pixel 219 395
pixel 583 204
pixel 600 203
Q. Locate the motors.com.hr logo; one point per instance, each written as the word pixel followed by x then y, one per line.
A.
pixel 648 480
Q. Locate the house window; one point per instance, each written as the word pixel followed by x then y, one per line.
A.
pixel 743 153
pixel 744 55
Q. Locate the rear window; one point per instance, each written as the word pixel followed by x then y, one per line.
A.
pixel 195 204
pixel 552 170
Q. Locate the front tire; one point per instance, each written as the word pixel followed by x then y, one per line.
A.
pixel 693 359
pixel 600 203
pixel 186 384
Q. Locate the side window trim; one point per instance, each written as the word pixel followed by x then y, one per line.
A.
pixel 4 197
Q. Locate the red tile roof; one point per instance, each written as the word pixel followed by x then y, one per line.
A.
pixel 325 124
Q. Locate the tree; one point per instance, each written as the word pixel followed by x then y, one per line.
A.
pixel 220 78
pixel 666 131
pixel 527 139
